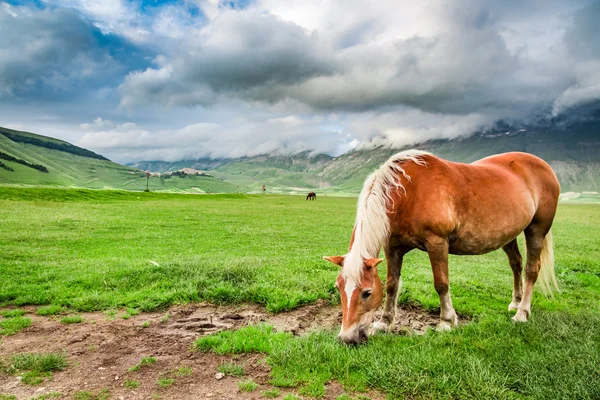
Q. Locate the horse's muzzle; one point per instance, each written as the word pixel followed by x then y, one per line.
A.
pixel 355 339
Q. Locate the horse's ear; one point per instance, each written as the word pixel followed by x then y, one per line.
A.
pixel 337 260
pixel 372 262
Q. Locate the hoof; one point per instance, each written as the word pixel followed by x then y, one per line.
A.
pixel 520 316
pixel 514 306
pixel 379 326
pixel 444 326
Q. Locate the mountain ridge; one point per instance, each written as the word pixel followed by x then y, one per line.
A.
pixel 572 150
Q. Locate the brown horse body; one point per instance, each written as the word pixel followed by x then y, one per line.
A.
pixel 420 201
pixel 311 196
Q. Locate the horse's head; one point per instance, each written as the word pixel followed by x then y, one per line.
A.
pixel 361 295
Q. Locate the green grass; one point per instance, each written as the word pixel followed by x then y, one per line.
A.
pixel 72 319
pixel 165 382
pixel 232 369
pixel 12 313
pixel 119 251
pixel 7 396
pixel 47 362
pixel 218 248
pixel 10 326
pixel 49 310
pixel 248 385
pixel 37 367
pixel 53 395
pixel 70 170
pixel 183 371
pixel 130 384
pixel 271 393
pixel 104 394
pixel 146 361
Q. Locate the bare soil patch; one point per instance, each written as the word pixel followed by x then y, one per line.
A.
pixel 103 348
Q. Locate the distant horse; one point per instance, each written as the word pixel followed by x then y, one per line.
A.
pixel 311 196
pixel 417 200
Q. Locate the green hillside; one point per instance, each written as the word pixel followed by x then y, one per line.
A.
pixel 30 159
pixel 27 159
pixel 573 152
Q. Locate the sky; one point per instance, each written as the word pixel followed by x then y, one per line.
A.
pixel 183 79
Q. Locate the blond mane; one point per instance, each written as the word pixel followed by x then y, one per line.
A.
pixel 372 226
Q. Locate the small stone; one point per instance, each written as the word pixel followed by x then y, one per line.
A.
pixel 41 389
pixel 219 376
pixel 117 378
pixel 209 395
pixel 101 368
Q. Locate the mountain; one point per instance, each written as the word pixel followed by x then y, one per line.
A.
pixel 30 159
pixel 572 149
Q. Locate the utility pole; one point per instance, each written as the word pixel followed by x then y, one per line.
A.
pixel 147 179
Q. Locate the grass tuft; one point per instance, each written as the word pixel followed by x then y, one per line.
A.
pixel 52 395
pixel 271 394
pixel 12 313
pixel 131 384
pixel 232 369
pixel 40 362
pixel 52 309
pixel 183 371
pixel 38 367
pixel 13 325
pixel 104 394
pixel 72 319
pixel 253 338
pixel 165 382
pixel 248 385
pixel 146 361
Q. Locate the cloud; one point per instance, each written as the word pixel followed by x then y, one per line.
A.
pixel 56 53
pixel 282 135
pixel 240 52
pixel 467 58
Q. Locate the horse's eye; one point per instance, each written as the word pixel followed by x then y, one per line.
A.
pixel 366 293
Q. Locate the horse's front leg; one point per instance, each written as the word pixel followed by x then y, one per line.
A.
pixel 437 249
pixel 394 258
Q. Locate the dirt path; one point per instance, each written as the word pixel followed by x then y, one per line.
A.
pixel 102 349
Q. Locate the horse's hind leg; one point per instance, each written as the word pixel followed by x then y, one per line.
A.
pixel 393 258
pixel 534 237
pixel 516 263
pixel 437 249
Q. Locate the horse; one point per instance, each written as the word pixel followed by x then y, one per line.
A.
pixel 416 200
pixel 311 196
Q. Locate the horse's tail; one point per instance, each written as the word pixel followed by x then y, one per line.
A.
pixel 547 278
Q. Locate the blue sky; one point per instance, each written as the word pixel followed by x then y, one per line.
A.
pixel 144 79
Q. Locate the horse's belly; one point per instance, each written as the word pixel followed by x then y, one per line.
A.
pixel 481 241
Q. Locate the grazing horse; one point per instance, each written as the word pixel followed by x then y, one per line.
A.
pixel 417 200
pixel 311 196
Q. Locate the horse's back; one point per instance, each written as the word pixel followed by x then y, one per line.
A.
pixel 480 206
pixel 530 172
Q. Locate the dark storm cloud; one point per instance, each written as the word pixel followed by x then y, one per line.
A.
pixel 240 53
pixel 53 53
pixel 465 66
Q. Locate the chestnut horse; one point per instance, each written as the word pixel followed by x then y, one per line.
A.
pixel 311 196
pixel 419 201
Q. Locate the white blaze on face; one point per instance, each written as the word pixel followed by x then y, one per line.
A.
pixel 349 289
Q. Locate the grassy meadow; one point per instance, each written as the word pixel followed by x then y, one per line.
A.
pixel 86 250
